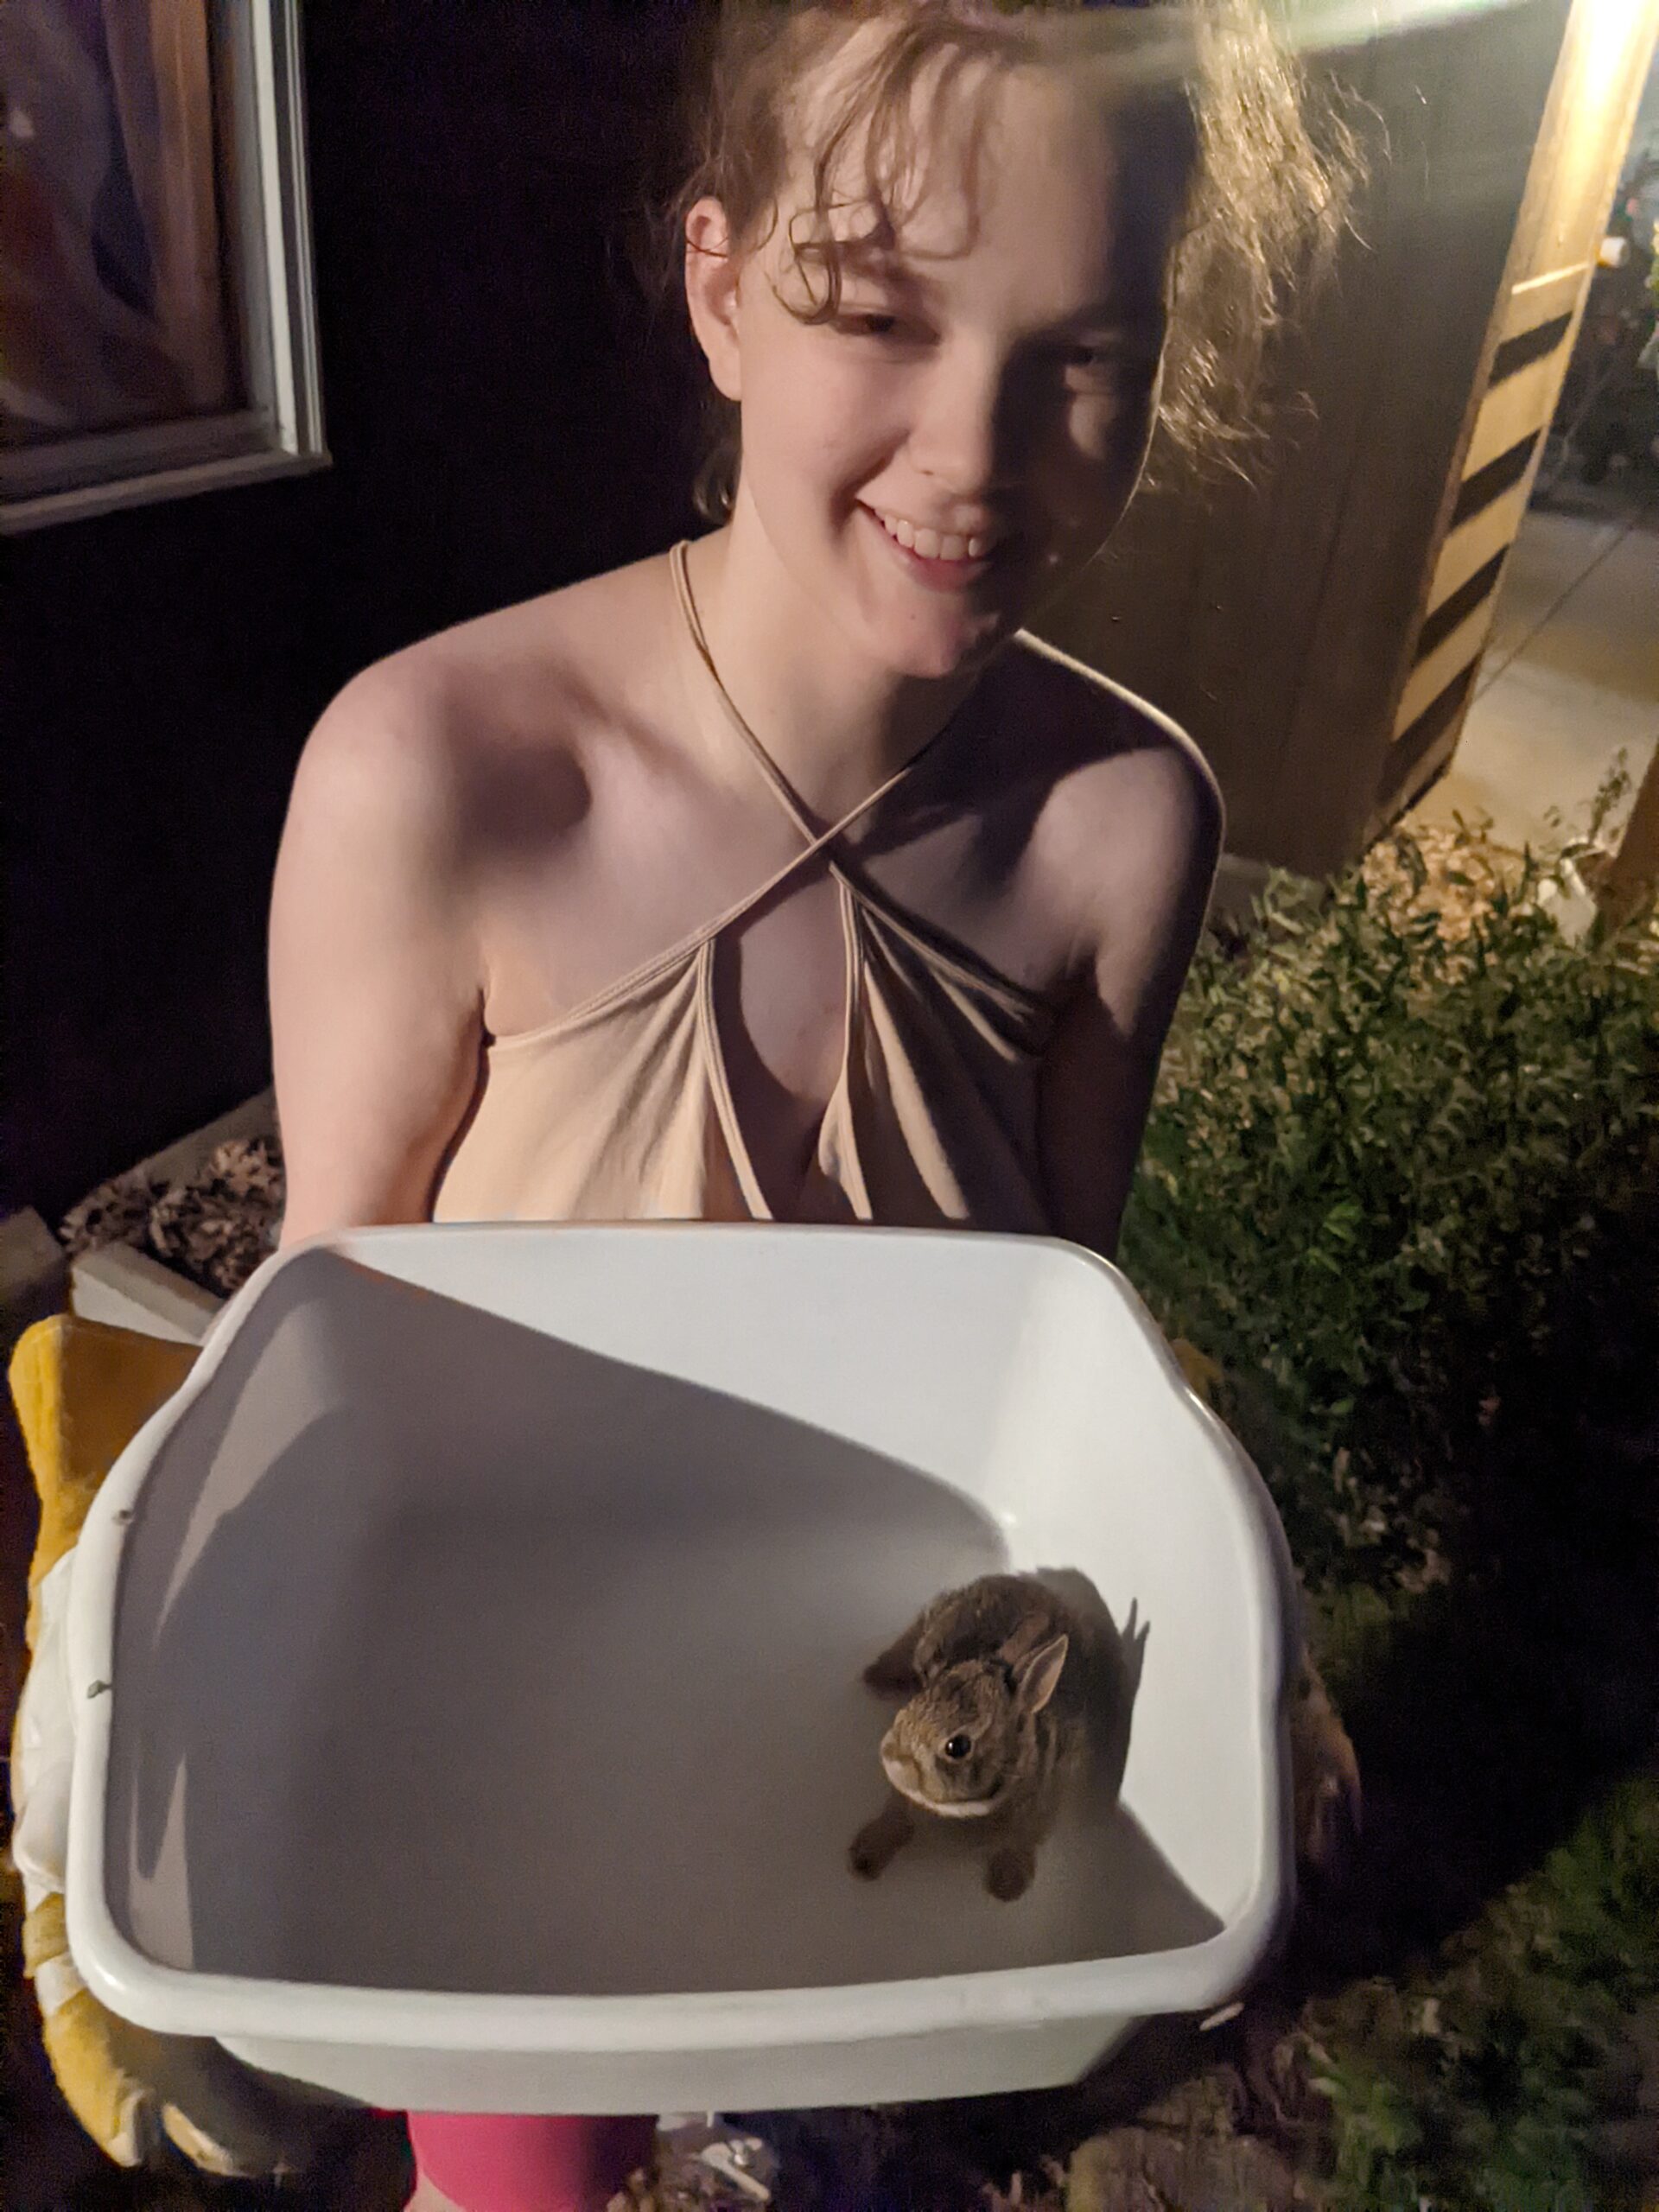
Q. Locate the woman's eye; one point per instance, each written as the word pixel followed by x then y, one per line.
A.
pixel 958 1748
pixel 1095 364
pixel 868 324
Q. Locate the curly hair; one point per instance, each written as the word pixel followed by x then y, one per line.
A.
pixel 1262 172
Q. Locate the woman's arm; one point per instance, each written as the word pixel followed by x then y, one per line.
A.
pixel 1144 842
pixel 376 980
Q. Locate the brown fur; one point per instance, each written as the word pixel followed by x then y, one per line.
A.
pixel 994 1729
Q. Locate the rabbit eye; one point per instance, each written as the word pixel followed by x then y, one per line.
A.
pixel 958 1747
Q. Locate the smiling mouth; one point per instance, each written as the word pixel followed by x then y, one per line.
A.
pixel 937 545
pixel 946 560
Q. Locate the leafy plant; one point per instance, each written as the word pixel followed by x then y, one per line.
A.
pixel 1389 1126
pixel 1510 2074
pixel 1394 1186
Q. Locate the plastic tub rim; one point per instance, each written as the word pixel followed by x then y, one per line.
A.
pixel 176 2000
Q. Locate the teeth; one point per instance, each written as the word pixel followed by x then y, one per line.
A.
pixel 933 547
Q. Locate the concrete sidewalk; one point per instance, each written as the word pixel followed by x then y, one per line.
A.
pixel 1571 676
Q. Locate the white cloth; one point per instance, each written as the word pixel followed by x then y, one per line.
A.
pixel 43 1747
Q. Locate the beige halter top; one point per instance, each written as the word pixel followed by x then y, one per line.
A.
pixel 621 1109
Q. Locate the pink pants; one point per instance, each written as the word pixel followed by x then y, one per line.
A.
pixel 495 2162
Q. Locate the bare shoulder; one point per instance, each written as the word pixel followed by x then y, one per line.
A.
pixel 1122 769
pixel 482 730
pixel 387 747
pixel 1132 819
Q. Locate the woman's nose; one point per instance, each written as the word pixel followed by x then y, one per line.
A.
pixel 959 435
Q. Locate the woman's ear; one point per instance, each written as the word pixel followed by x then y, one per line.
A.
pixel 711 280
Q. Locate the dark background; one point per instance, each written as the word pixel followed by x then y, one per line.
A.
pixel 503 418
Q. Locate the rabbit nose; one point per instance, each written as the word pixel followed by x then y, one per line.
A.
pixel 900 1770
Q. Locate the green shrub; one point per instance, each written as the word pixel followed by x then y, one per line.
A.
pixel 1383 1137
pixel 1510 2074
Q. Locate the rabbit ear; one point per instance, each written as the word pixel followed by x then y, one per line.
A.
pixel 1036 1677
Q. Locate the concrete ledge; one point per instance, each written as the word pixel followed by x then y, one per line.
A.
pixel 129 1290
pixel 128 1287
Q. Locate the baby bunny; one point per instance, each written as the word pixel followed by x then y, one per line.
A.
pixel 996 1728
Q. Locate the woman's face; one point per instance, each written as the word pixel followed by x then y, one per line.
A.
pixel 952 447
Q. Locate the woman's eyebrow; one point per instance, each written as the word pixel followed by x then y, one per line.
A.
pixel 881 265
pixel 871 261
pixel 1127 340
pixel 1120 317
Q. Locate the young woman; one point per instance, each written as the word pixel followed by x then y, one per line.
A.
pixel 784 875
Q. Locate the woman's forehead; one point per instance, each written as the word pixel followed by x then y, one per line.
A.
pixel 989 167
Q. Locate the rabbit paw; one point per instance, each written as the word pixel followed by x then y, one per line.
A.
pixel 879 1842
pixel 862 1858
pixel 1009 1874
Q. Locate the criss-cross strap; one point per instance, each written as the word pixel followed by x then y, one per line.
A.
pixel 817 840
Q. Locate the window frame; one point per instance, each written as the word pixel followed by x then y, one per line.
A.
pixel 260 109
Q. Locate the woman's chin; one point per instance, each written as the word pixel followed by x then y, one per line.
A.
pixel 938 659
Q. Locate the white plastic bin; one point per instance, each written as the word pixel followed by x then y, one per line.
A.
pixel 467 1666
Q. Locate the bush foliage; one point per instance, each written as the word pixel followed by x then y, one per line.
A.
pixel 1388 1129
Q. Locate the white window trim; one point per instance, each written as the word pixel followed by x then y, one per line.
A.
pixel 282 433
